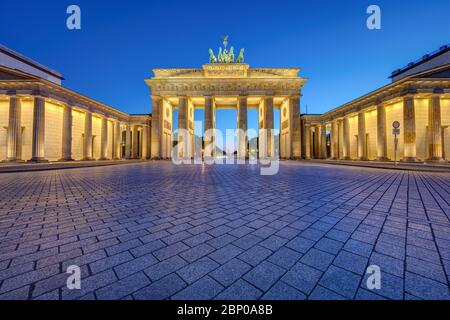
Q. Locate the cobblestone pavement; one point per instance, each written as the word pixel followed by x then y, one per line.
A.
pixel 158 231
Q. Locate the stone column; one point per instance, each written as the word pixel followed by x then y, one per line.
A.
pixel 87 154
pixel 346 138
pixel 128 142
pixel 268 122
pixel 209 142
pixel 307 139
pixel 316 147
pixel 362 136
pixel 38 148
pixel 409 135
pixel 323 141
pixel 66 154
pixel 135 142
pixel 295 131
pixel 182 128
pixel 435 128
pixel 104 141
pixel 117 141
pixel 381 133
pixel 334 140
pixel 242 142
pixel 14 130
pixel 144 150
pixel 340 137
pixel 156 139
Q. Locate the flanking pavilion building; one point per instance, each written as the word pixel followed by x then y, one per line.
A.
pixel 418 98
pixel 40 120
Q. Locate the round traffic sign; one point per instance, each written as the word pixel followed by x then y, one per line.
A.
pixel 396 124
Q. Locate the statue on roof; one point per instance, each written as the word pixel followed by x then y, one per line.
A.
pixel 225 56
pixel 240 58
pixel 212 57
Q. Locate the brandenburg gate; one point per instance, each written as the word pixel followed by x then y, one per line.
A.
pixel 226 82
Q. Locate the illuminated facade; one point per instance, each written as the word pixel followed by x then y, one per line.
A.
pixel 41 121
pixel 224 85
pixel 418 98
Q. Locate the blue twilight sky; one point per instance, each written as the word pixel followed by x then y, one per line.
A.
pixel 121 41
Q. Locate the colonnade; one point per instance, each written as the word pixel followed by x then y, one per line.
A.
pixel 161 127
pixel 111 146
pixel 338 145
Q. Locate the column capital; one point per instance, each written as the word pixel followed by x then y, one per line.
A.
pixel 408 96
pixel 38 96
pixel 438 91
pixel 243 98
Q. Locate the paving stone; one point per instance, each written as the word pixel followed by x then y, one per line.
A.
pixel 230 271
pixel 321 293
pixel 285 257
pixel 391 286
pixel 317 259
pixel 147 248
pixel 264 275
pixel 28 278
pixel 197 252
pixel 426 288
pixel 273 243
pixel 282 291
pixel 226 253
pixel 255 255
pixel 161 289
pixel 197 269
pixel 302 277
pixel 221 241
pixel 329 245
pixel 123 287
pixel 367 295
pixel 351 262
pixel 135 265
pixel 18 294
pixel 341 281
pixel 300 244
pixel 170 251
pixel 124 246
pixel 387 264
pixel 163 268
pixel 110 262
pixel 90 284
pixel 240 290
pixel 247 241
pixel 359 247
pixel 204 289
